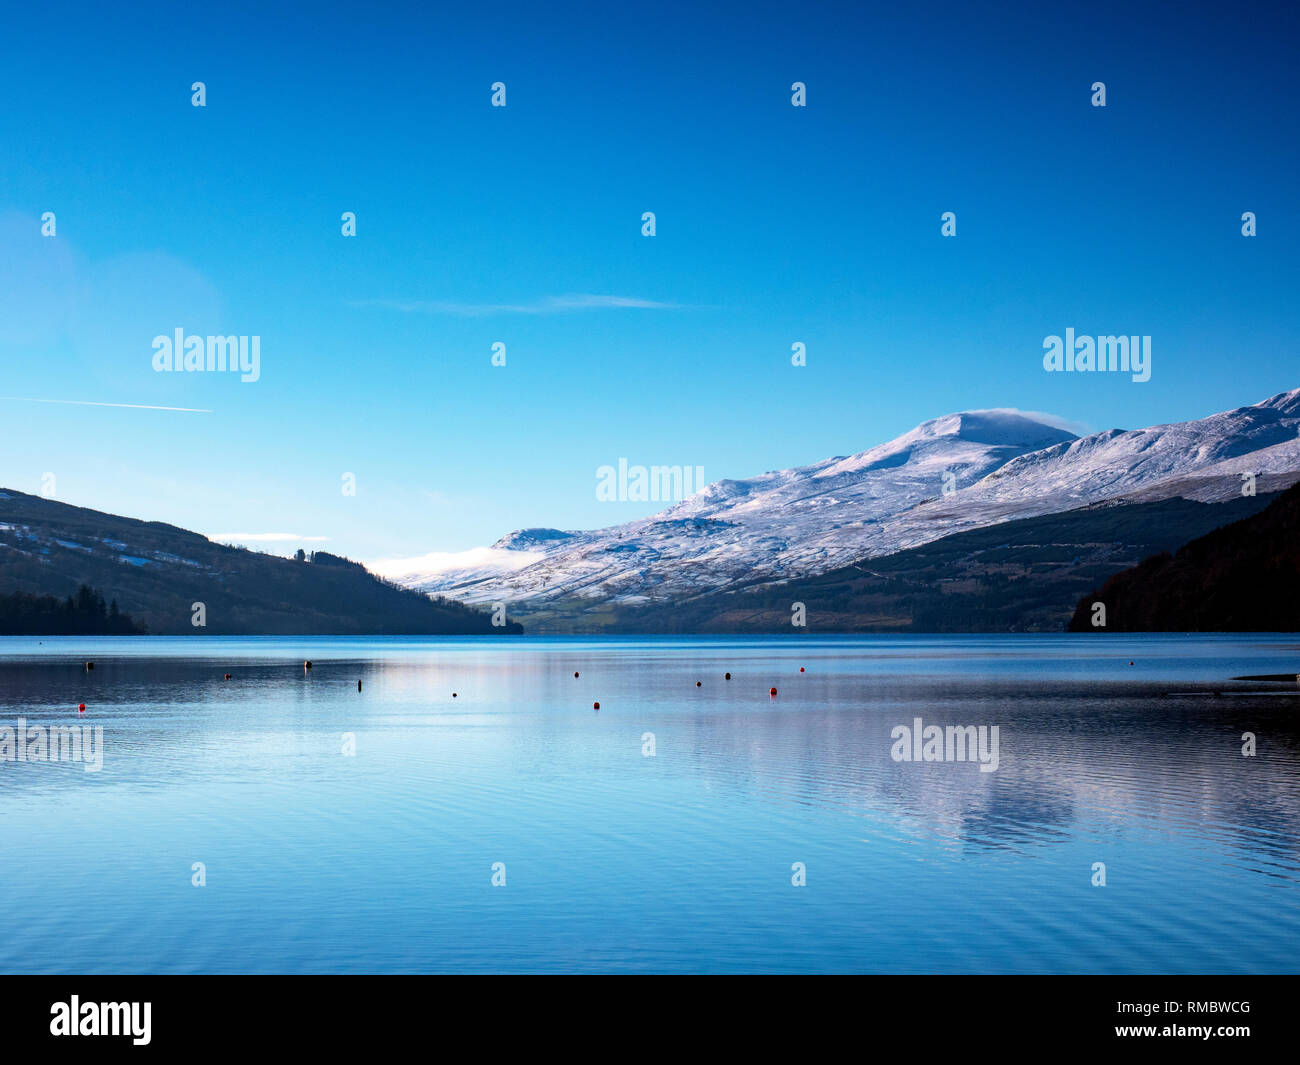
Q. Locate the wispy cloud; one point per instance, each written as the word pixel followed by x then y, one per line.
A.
pixel 548 305
pixel 1054 420
pixel 486 559
pixel 265 538
pixel 92 403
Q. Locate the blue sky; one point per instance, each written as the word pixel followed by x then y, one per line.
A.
pixel 477 224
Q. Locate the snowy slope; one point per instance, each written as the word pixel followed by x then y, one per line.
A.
pixel 1004 465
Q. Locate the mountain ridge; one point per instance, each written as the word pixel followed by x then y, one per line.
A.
pixel 159 574
pixel 959 471
pixel 1241 577
pixel 1023 575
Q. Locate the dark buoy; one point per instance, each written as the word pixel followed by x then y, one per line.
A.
pixel 771 691
pixel 595 706
pixel 697 683
pixel 358 685
pixel 1130 663
pixel 575 673
pixel 227 676
pixel 90 665
pixel 81 708
pixel 453 695
pixel 307 664
pixel 726 676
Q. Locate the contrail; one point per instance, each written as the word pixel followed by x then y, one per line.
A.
pixel 91 403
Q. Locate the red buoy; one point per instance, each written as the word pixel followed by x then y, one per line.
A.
pixel 801 669
pixel 227 676
pixel 81 709
pixel 595 706
pixel 772 691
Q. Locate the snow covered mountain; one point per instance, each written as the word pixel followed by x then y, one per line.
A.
pixel 961 471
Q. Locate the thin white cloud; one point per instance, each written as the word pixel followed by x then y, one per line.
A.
pixel 265 538
pixel 489 559
pixel 1056 421
pixel 548 305
pixel 92 403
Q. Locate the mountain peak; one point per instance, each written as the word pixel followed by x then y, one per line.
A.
pixel 957 438
pixel 999 427
pixel 530 539
pixel 1284 402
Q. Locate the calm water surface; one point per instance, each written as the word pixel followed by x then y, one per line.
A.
pixel 317 861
